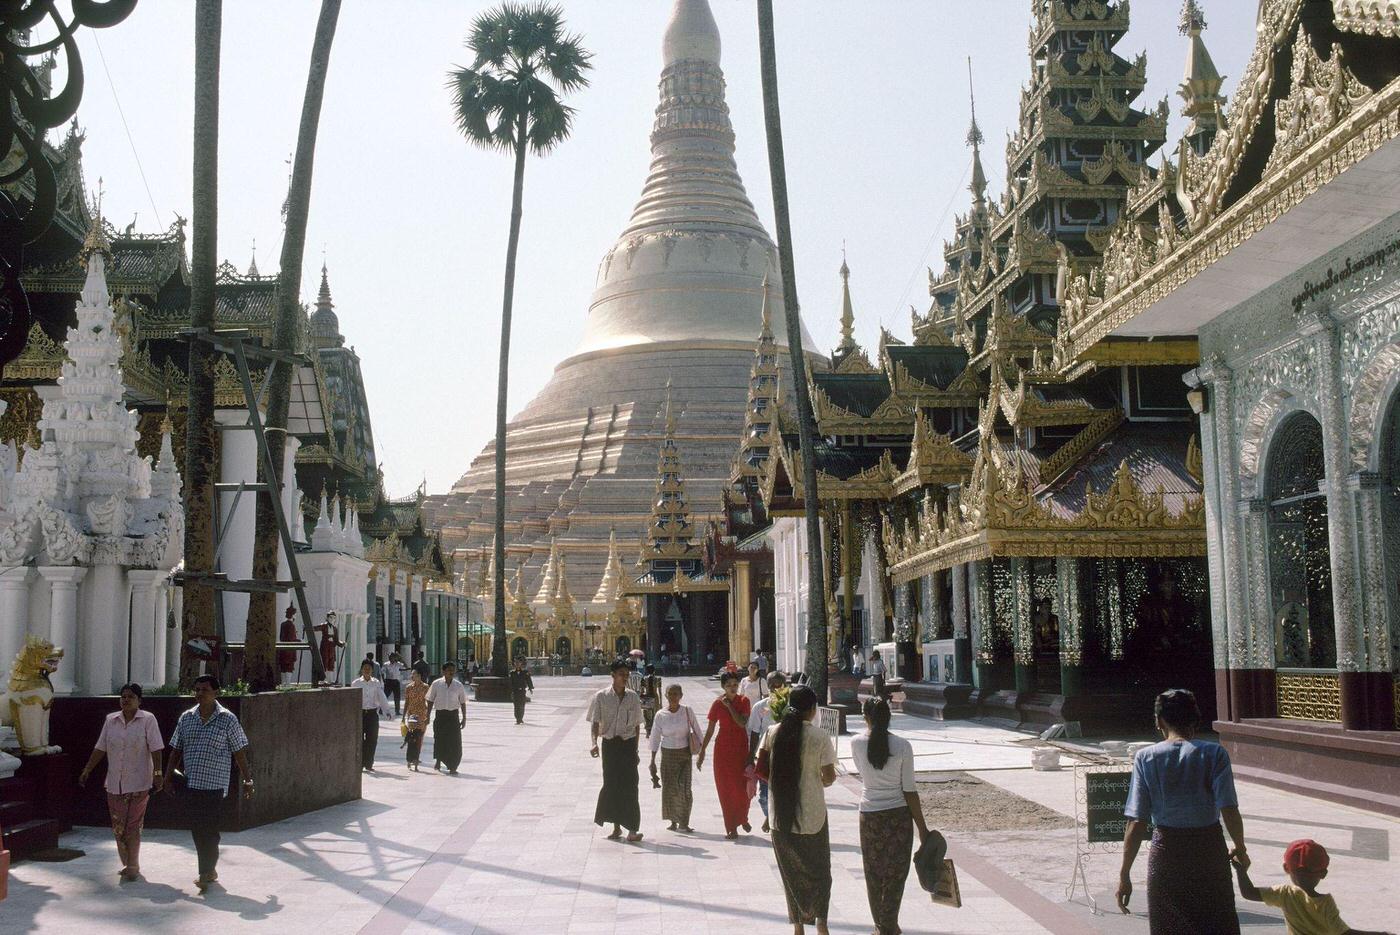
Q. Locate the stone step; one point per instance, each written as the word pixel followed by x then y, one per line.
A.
pixel 12 813
pixel 30 836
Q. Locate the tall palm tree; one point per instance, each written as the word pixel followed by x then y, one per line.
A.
pixel 260 653
pixel 197 614
pixel 777 169
pixel 510 99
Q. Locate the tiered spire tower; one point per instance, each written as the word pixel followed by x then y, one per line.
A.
pixel 669 532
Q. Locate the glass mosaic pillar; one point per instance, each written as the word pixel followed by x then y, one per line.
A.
pixel 1071 626
pixel 982 610
pixel 1022 637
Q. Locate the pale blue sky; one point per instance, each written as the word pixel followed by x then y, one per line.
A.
pixel 413 222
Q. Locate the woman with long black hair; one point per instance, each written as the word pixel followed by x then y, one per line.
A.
pixel 889 799
pixel 798 761
pixel 1183 788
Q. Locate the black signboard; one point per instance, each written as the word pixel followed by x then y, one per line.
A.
pixel 1105 795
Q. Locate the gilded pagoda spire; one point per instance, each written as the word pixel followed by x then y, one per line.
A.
pixel 562 600
pixel 848 315
pixel 545 594
pixel 1200 86
pixel 610 587
pixel 325 325
pixel 96 240
pixel 762 406
pixel 668 534
pixel 520 612
pixel 323 298
pixel 978 186
pixel 253 262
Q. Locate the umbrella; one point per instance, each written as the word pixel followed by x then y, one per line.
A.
pixel 638 653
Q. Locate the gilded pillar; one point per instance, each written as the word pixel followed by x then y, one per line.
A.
pixel 848 577
pixel 1341 523
pixel 1022 637
pixel 743 612
pixel 933 598
pixel 1071 625
pixel 983 610
pixel 962 645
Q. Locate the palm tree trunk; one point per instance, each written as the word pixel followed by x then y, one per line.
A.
pixel 773 123
pixel 197 614
pixel 498 648
pixel 260 653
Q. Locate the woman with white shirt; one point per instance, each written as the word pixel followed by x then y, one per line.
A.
pixel 675 732
pixel 372 704
pixel 889 799
pixel 798 761
pixel 752 687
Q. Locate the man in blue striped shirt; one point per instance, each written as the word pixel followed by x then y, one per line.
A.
pixel 208 740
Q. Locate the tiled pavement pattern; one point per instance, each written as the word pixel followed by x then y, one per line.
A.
pixel 509 846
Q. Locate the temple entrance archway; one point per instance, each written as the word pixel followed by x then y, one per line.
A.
pixel 564 648
pixel 519 648
pixel 1299 557
pixel 622 646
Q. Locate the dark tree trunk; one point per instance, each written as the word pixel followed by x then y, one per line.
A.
pixel 260 653
pixel 498 647
pixel 197 613
pixel 816 588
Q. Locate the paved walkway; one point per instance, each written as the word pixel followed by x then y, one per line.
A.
pixel 508 846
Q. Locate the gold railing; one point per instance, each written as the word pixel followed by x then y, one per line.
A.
pixel 1310 694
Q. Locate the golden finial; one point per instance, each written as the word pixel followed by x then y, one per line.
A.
pixel 96 240
pixel 848 316
pixel 670 417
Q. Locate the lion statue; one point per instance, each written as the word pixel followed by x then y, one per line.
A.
pixel 31 695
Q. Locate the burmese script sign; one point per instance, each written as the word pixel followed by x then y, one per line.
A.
pixel 1105 795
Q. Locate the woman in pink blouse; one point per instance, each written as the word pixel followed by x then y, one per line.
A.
pixel 130 740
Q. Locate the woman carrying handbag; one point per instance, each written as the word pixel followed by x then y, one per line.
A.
pixel 676 733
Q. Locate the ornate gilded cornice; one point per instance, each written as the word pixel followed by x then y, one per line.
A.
pixel 933 459
pixel 1370 124
pixel 1002 517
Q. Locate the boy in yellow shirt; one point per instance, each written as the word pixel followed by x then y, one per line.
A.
pixel 1305 910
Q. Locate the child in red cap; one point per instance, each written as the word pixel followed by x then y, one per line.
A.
pixel 1305 910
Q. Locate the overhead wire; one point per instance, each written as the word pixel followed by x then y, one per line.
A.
pixel 129 139
pixel 937 228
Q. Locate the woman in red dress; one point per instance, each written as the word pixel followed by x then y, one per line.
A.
pixel 730 714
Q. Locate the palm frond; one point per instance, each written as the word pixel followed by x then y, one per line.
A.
pixel 522 63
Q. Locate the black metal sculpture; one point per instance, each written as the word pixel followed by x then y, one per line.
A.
pixel 30 110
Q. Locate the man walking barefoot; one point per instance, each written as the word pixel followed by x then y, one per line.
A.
pixel 447 699
pixel 207 741
pixel 615 715
pixel 520 683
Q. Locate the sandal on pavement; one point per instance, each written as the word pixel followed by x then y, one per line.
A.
pixel 634 837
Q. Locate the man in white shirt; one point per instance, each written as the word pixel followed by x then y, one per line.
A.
pixel 447 699
pixel 372 705
pixel 392 673
pixel 760 719
pixel 615 718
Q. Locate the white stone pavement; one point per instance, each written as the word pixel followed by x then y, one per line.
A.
pixel 509 846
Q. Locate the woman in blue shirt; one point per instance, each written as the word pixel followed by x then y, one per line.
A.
pixel 1182 788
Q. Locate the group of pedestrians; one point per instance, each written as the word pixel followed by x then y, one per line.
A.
pixel 765 741
pixel 208 741
pixel 444 701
